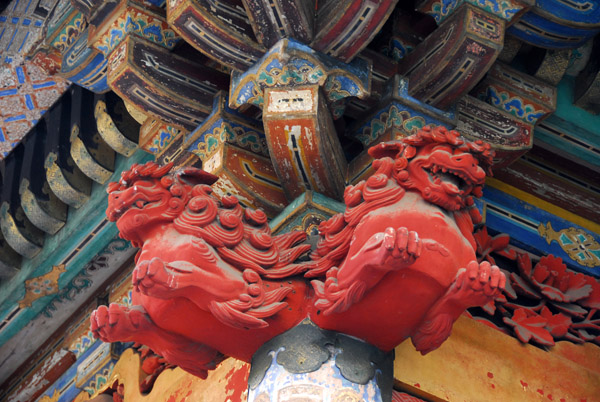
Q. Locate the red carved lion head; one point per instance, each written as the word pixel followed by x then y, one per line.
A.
pixel 445 168
pixel 146 195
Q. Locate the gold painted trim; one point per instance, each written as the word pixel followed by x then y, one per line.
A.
pixel 35 213
pixel 110 133
pixel 13 235
pixel 135 113
pixel 543 205
pixel 85 162
pixel 60 186
pixel 41 286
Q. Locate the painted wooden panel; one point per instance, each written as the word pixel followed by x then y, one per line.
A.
pixel 273 20
pixel 201 24
pixel 539 231
pixel 509 136
pixel 345 27
pixel 452 60
pixel 167 86
pixel 555 180
pixel 480 363
pixel 519 94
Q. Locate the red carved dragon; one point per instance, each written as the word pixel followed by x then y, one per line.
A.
pixel 211 280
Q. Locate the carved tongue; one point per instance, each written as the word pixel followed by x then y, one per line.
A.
pixel 449 183
pixel 450 188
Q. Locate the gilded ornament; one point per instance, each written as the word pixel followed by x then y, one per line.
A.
pixel 110 133
pixel 577 243
pixel 41 286
pixel 85 161
pixel 54 398
pixel 34 211
pixel 60 185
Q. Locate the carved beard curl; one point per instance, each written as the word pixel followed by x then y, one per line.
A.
pixel 129 227
pixel 432 196
pixel 435 198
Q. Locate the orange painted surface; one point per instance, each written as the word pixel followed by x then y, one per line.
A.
pixel 478 363
pixel 228 383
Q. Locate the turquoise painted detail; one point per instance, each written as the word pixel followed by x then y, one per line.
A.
pixel 504 9
pixel 60 246
pixel 290 63
pixel 404 112
pixel 289 218
pixel 571 129
pixel 226 125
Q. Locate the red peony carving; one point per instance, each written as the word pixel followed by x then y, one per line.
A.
pixel 548 302
pixel 212 281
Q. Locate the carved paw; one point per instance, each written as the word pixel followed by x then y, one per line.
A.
pixel 404 244
pixel 118 323
pixel 393 246
pixel 151 277
pixel 477 284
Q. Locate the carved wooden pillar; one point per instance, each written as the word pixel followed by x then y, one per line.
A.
pixel 311 364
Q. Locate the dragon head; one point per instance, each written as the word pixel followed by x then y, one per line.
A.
pixel 445 168
pixel 148 195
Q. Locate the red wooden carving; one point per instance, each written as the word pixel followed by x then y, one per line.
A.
pixel 210 279
pixel 542 302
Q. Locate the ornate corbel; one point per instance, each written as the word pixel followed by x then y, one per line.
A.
pixel 234 147
pixel 66 180
pixel 115 125
pixel 88 150
pixel 295 86
pixel 525 97
pixel 201 24
pixel 44 209
pixel 452 59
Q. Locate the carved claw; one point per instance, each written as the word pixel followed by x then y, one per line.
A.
pixel 332 299
pixel 474 286
pixel 118 323
pixel 404 244
pixel 150 274
pixel 478 284
pixel 391 248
